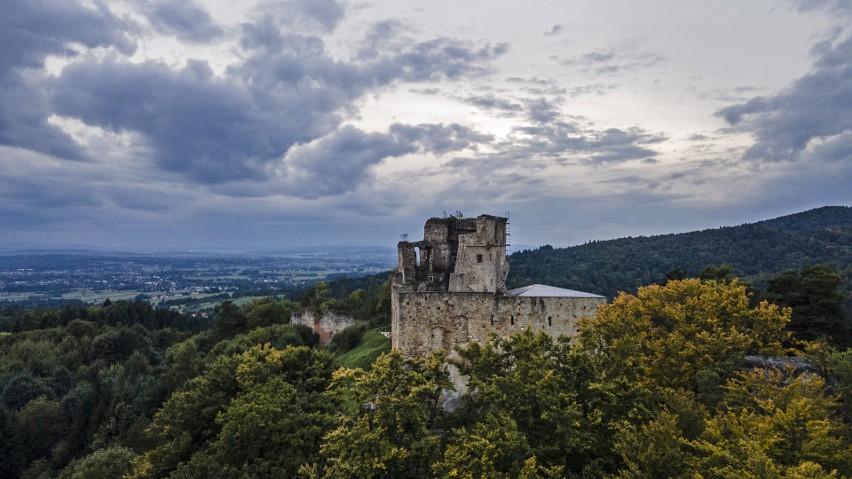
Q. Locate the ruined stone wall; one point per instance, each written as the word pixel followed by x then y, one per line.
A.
pixel 426 321
pixel 481 264
pixel 326 325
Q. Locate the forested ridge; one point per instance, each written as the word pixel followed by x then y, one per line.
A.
pixel 754 251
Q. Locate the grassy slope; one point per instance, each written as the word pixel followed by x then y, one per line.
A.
pixel 372 345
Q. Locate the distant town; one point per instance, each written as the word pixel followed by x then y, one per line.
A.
pixel 187 281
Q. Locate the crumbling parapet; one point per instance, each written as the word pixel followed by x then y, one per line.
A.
pixel 460 255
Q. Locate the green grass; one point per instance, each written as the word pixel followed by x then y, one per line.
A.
pixel 372 345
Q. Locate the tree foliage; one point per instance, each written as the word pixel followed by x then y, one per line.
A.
pixel 653 387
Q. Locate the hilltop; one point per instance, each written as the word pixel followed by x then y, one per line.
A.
pixel 755 251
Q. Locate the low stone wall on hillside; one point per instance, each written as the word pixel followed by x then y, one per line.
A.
pixel 326 325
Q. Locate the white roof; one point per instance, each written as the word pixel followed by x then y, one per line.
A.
pixel 544 291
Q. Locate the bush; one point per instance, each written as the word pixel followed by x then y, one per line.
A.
pixel 347 339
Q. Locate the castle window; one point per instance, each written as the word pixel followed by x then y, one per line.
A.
pixel 492 320
pixel 550 321
pixel 512 319
pixel 479 258
pixel 431 278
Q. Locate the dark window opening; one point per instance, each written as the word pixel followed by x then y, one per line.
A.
pixel 492 320
pixel 549 321
pixel 512 319
pixel 479 258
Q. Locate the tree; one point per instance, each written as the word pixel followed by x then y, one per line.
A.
pixel 387 430
pixel 260 413
pixel 492 448
pixel 814 295
pixel 268 311
pixel 541 385
pixel 722 272
pixel 230 321
pixel 686 334
pixel 653 450
pixel 113 461
pixel 774 424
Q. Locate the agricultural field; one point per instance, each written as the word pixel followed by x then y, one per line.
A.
pixel 184 281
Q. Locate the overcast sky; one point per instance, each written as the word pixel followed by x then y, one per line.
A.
pixel 158 124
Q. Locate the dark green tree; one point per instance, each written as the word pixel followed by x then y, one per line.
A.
pixel 814 295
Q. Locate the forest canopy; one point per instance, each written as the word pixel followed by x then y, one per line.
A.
pixel 656 385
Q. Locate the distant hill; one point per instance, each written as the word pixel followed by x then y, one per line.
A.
pixel 756 251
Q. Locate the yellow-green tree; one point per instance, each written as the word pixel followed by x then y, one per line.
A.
pixel 772 423
pixel 388 429
pixel 685 334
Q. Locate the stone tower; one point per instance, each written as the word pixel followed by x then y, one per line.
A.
pixel 450 291
pixel 456 255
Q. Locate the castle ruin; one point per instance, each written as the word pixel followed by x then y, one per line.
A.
pixel 450 290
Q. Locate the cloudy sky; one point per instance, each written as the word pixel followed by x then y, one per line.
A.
pixel 160 124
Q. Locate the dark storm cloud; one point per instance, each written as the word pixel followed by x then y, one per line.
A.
pixel 815 110
pixel 339 162
pixel 181 18
pixel 288 91
pixel 29 32
pixel 200 125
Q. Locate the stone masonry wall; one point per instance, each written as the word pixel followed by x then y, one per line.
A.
pixel 438 320
pixel 325 326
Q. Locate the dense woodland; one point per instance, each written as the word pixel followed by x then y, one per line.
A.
pixel 657 385
pixel 755 251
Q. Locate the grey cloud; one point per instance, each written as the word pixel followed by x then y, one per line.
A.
pixel 595 88
pixel 324 13
pixel 181 18
pixel 436 59
pixel 339 162
pixel 843 7
pixel 542 110
pixel 493 103
pixel 438 138
pixel 728 94
pixel 615 62
pixel 815 108
pixel 204 127
pixel 533 80
pixel 29 32
pixel 378 37
pixel 566 140
pixel 288 91
pixel 597 57
pixel 554 30
pixel 392 55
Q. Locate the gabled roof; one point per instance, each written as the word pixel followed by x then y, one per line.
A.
pixel 544 291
